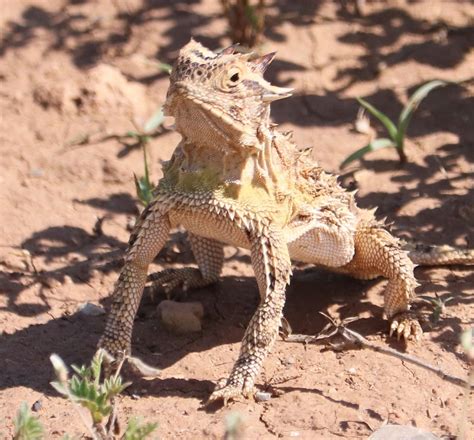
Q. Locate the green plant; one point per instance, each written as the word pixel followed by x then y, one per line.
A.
pixel 27 426
pixel 234 426
pixel 86 389
pixel 143 185
pixel 396 133
pixel 137 431
pixel 438 304
pixel 165 67
pixel 144 134
pixel 246 20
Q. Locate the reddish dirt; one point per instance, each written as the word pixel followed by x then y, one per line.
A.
pixel 75 68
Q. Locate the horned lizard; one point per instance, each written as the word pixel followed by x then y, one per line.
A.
pixel 235 179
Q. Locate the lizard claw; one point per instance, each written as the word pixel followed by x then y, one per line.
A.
pixel 406 325
pixel 114 363
pixel 229 392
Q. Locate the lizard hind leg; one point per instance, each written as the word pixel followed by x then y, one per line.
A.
pixel 378 252
pixel 209 255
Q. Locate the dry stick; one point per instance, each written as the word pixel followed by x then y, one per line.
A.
pixel 358 339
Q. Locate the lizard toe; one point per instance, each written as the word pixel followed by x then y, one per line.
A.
pixel 230 392
pixel 405 325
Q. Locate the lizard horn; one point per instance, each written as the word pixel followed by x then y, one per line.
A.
pixel 229 50
pixel 273 93
pixel 260 64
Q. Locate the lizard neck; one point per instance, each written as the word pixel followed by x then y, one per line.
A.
pixel 254 178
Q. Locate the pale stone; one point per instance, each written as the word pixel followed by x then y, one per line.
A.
pixel 181 317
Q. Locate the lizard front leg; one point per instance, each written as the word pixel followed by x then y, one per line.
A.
pixel 146 241
pixel 209 255
pixel 377 252
pixel 272 267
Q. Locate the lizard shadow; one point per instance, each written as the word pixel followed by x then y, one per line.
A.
pixel 229 306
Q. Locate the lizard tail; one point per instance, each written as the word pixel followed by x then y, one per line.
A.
pixel 430 255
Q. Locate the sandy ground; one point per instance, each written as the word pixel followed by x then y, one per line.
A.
pixel 76 69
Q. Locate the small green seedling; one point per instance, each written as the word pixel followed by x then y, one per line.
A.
pixel 136 430
pixel 165 67
pixel 438 304
pixel 234 426
pixel 86 389
pixel 397 133
pixel 246 20
pixel 143 185
pixel 144 134
pixel 27 426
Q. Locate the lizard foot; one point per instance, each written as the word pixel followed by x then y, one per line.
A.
pixel 229 391
pixel 112 363
pixel 170 279
pixel 406 325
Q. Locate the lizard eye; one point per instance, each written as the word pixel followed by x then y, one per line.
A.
pixel 234 76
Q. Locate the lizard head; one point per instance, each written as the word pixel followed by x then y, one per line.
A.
pixel 220 98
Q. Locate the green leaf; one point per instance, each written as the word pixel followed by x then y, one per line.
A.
pixel 132 134
pixel 251 15
pixel 384 119
pixel 143 185
pixel 154 122
pixel 138 431
pixel 60 368
pixel 412 104
pixel 165 67
pixel 27 427
pixel 375 145
pixel 60 388
pixel 96 366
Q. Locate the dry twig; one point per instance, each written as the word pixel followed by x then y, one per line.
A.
pixel 359 341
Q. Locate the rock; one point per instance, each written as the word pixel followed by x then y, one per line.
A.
pixel 401 432
pixel 262 396
pixel 37 406
pixel 180 317
pixel 90 309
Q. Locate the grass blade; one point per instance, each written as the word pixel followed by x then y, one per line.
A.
pixel 412 104
pixel 154 122
pixel 384 119
pixel 27 427
pixel 375 145
pixel 165 67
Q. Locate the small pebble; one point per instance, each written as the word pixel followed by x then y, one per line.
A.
pixel 37 172
pixel 37 406
pixel 262 396
pixel 90 309
pixel 181 318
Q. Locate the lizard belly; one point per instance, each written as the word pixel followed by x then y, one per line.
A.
pixel 332 247
pixel 210 225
